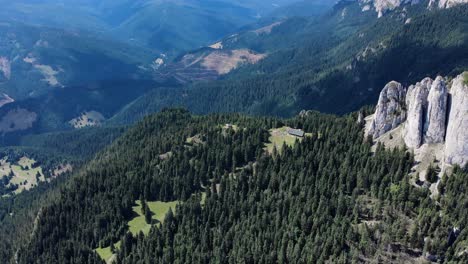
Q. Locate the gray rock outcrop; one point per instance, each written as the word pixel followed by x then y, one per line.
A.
pixel 385 6
pixel 445 3
pixel 456 143
pixel 390 111
pixel 416 102
pixel 430 113
pixel 434 127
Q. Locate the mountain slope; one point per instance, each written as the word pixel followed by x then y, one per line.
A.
pixel 36 60
pixel 165 26
pixel 335 64
pixel 377 215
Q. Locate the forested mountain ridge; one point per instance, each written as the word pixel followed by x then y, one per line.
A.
pixel 57 75
pixel 336 63
pixel 255 202
pixel 167 27
pixel 36 60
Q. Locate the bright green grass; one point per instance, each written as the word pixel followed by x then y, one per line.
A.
pixel 106 253
pixel 159 210
pixel 138 224
pixel 279 136
pixel 21 176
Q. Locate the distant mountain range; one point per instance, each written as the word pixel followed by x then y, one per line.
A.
pixel 164 25
pixel 335 63
pixel 335 60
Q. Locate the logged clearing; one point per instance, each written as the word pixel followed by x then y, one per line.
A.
pixel 5 99
pixel 280 136
pixel 87 119
pixel 17 119
pixel 24 173
pixel 267 29
pixel 49 74
pixel 224 62
pixel 5 67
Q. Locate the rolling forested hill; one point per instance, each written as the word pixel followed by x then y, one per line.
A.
pixel 240 192
pixel 165 26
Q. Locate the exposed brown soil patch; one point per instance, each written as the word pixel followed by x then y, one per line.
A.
pixel 224 62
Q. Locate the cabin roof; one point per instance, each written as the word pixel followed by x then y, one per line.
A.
pixel 296 132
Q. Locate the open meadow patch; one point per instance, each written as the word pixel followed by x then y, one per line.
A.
pixel 20 175
pixel 284 135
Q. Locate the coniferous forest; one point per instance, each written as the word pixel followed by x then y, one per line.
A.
pixel 189 131
pixel 325 199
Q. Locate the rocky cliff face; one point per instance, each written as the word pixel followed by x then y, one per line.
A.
pixel 423 115
pixel 416 102
pixel 384 6
pixel 434 128
pixel 390 109
pixel 445 3
pixel 456 145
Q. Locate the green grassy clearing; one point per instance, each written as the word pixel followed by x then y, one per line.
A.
pixel 25 175
pixel 138 223
pixel 106 253
pixel 279 136
pixel 195 140
pixel 159 210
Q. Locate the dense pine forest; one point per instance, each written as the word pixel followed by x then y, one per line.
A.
pixel 325 198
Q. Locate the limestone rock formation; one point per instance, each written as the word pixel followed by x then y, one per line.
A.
pixel 456 144
pixel 434 127
pixel 385 6
pixel 416 102
pixel 445 3
pixel 390 111
pixel 421 113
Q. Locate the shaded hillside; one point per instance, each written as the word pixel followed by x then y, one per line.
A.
pixel 36 60
pixel 335 64
pixel 165 26
pixel 67 108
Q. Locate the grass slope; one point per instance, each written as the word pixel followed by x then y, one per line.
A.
pixel 24 173
pixel 280 136
pixel 159 210
pixel 138 224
